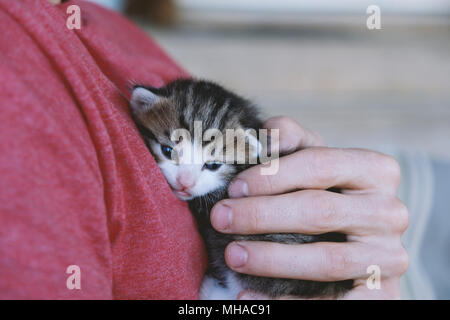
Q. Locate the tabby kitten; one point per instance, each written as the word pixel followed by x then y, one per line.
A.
pixel 158 113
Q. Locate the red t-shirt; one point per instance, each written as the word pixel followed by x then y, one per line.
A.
pixel 77 184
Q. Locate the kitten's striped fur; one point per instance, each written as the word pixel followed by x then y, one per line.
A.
pixel 159 111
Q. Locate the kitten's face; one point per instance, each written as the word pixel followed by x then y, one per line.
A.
pixel 191 171
pixel 187 178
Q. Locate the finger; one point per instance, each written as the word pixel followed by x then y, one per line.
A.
pixel 321 261
pixel 292 136
pixel 322 168
pixel 389 289
pixel 310 212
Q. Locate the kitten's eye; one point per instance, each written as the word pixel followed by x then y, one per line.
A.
pixel 166 151
pixel 212 166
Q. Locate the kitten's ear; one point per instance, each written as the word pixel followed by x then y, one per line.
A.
pixel 142 99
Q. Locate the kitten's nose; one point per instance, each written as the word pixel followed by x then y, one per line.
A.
pixel 185 180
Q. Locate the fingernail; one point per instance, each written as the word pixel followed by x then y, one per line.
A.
pixel 238 188
pixel 236 255
pixel 221 217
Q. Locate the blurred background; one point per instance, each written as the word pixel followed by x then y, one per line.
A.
pixel 316 61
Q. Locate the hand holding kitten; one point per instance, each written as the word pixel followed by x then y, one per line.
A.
pixel 296 200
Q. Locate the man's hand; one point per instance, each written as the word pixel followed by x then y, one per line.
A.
pixel 296 200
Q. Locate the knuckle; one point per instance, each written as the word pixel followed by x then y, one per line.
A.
pixel 288 122
pixel 391 168
pixel 285 123
pixel 402 261
pixel 397 215
pixel 402 214
pixel 291 133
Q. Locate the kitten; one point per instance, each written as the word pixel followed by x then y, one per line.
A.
pixel 158 112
